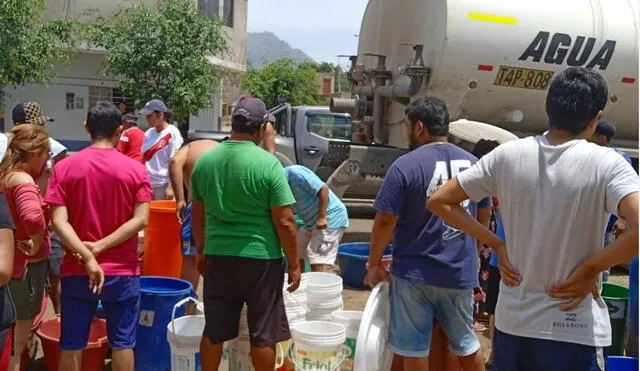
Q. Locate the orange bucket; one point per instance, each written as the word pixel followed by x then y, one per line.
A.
pixel 162 247
pixel 93 355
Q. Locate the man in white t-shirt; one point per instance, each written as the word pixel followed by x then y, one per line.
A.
pixel 556 192
pixel 161 142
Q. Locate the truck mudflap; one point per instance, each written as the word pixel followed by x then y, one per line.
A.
pixel 362 161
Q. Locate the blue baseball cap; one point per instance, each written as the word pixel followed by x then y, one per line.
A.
pixel 154 105
pixel 606 128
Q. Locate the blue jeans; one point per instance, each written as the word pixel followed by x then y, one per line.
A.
pixel 528 354
pixel 413 307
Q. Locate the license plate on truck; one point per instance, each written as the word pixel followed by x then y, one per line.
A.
pixel 525 78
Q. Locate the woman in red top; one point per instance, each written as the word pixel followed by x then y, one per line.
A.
pixel 23 164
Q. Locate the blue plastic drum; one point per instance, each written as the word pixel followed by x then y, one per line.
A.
pixel 631 343
pixel 622 364
pixel 158 296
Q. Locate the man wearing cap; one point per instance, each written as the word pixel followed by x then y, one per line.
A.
pixel 130 142
pixel 31 113
pixel 605 131
pixel 244 194
pixel 161 142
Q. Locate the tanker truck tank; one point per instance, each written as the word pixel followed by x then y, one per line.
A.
pixel 491 61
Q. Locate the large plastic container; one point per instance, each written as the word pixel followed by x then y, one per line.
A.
pixel 616 297
pixel 352 259
pixel 631 343
pixel 318 345
pixel 622 364
pixel 162 247
pixel 158 296
pixel 93 355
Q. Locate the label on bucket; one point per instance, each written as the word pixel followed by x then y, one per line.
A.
pixel 186 363
pixel 320 361
pixel 146 318
pixel 347 364
pixel 616 308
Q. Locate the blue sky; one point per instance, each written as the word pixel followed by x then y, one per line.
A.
pixel 321 28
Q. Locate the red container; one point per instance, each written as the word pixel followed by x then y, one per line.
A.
pixel 5 353
pixel 440 356
pixel 93 355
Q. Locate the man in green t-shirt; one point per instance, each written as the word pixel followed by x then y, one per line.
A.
pixel 242 222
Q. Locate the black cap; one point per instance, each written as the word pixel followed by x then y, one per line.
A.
pixel 29 113
pixel 253 110
pixel 154 105
pixel 131 118
pixel 606 128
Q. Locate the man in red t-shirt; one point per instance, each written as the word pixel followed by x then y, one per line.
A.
pixel 98 212
pixel 130 142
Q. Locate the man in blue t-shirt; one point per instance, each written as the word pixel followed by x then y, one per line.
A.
pixel 324 216
pixel 435 266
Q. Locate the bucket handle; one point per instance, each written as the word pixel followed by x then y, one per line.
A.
pixel 290 296
pixel 178 305
pixel 283 357
pixel 341 357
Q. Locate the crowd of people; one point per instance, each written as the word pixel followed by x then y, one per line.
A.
pixel 535 211
pixel 556 192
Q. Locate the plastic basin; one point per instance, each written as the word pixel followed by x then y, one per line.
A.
pixel 352 259
pixel 93 355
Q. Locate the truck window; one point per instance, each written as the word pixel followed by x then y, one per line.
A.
pixel 329 126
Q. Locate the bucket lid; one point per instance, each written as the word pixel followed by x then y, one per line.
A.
pixel 372 352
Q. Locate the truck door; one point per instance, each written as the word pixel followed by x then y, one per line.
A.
pixel 314 131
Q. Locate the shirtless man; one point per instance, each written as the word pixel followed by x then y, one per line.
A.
pixel 180 176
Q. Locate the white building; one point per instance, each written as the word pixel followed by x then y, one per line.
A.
pixel 81 84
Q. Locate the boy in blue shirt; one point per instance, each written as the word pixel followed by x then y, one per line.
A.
pixel 324 215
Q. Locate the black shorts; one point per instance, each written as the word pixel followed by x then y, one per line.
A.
pixel 229 283
pixel 493 288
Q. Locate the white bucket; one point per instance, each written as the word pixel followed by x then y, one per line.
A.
pixel 317 345
pixel 321 281
pixel 303 283
pixel 296 314
pixel 350 319
pixel 184 335
pixel 323 311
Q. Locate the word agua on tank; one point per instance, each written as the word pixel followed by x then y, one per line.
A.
pixel 563 48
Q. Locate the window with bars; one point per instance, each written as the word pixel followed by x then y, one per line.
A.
pixel 211 8
pixel 98 93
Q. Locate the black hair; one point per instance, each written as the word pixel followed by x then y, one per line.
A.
pixel 433 114
pixel 240 124
pixel 484 146
pixel 606 128
pixel 166 115
pixel 103 120
pixel 575 97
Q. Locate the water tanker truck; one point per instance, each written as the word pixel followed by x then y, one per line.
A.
pixel 491 61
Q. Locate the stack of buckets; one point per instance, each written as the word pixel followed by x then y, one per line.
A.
pixel 324 295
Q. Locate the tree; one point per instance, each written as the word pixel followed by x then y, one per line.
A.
pixel 30 48
pixel 162 53
pixel 341 83
pixel 296 83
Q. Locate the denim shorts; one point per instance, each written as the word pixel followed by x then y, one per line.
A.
pixel 527 354
pixel 120 299
pixel 413 307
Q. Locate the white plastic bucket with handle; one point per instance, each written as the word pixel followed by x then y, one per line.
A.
pixel 184 335
pixel 350 319
pixel 317 345
pixel 323 286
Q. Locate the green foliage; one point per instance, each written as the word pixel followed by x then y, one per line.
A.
pixel 325 67
pixel 296 83
pixel 29 47
pixel 341 83
pixel 161 53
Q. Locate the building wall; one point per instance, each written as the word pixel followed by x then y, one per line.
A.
pixel 84 83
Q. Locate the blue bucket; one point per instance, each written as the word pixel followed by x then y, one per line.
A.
pixel 622 364
pixel 158 296
pixel 352 259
